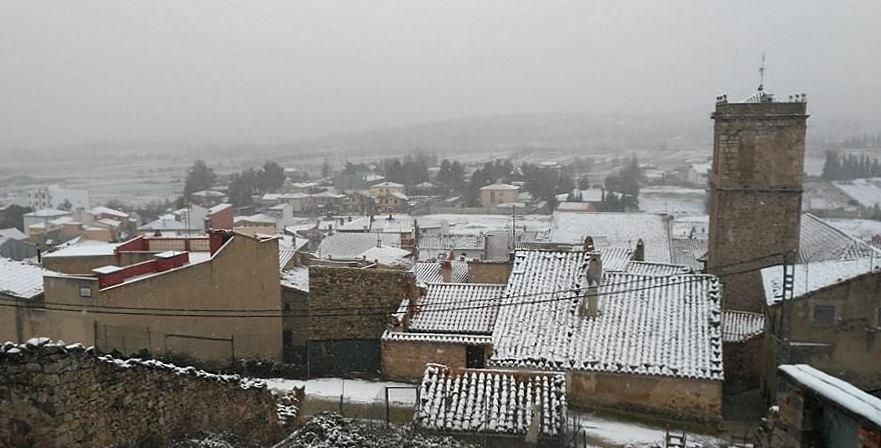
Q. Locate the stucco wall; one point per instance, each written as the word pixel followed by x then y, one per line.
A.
pixel 241 276
pixel 678 398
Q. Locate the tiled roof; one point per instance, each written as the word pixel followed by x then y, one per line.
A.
pixel 615 230
pixel 739 326
pixel 810 277
pixel 430 272
pixel 351 245
pixel 389 256
pixel 296 278
pixel 688 252
pixel 821 241
pixel 615 258
pixel 437 338
pixel 656 269
pixel 451 242
pixel 20 279
pixel 491 401
pixel 457 308
pixel 646 325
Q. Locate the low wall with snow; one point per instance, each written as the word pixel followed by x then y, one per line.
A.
pixel 677 398
pixel 55 395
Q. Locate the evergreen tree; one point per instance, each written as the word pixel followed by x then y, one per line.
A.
pixel 199 177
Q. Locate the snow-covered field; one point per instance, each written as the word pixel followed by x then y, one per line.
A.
pixel 672 200
pixel 353 391
pixel 865 191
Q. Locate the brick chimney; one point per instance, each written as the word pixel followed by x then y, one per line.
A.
pixel 639 253
pixel 447 268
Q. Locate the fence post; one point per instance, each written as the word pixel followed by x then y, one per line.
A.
pixel 387 411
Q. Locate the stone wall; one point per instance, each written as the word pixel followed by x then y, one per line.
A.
pixel 743 364
pixel 357 302
pixel 755 194
pixel 490 271
pixel 405 361
pixel 843 349
pixel 52 395
pixel 678 398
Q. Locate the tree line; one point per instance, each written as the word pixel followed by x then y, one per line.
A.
pixel 849 166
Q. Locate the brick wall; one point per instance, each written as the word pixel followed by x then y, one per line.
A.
pixel 57 396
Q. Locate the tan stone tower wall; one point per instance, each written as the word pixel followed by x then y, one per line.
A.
pixel 755 194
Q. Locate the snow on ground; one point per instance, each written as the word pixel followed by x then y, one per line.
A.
pixel 603 430
pixel 354 391
pixel 672 200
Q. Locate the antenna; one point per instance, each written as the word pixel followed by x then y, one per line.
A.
pixel 762 74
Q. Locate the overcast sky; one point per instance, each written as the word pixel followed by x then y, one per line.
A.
pixel 272 72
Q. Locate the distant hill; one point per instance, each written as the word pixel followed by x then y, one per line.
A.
pixel 522 131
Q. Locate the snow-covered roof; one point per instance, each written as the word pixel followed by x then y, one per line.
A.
pixel 12 233
pixel 109 222
pixel 701 168
pixel 810 277
pixel 20 279
pixel 401 196
pixel 259 218
pixel 841 393
pixel 84 248
pixel 101 210
pixel 657 269
pixel 821 241
pixel 615 230
pixel 46 213
pixel 739 326
pixel 499 187
pixel 457 308
pixel 389 256
pixel 351 245
pixel 430 272
pixel 387 185
pixel 381 223
pixel 646 325
pixel 437 338
pixel 689 251
pixel 296 278
pixel 164 223
pixel 451 242
pixel 219 208
pixel 491 401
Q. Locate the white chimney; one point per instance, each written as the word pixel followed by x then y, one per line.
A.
pixel 590 306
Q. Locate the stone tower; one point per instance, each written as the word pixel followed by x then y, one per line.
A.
pixel 755 192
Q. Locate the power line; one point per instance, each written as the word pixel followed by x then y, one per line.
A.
pixel 279 313
pixel 351 311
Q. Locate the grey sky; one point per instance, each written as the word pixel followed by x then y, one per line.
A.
pixel 270 72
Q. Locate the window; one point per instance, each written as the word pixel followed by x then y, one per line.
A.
pixel 824 315
pixel 86 291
